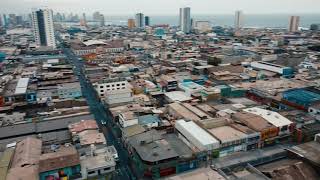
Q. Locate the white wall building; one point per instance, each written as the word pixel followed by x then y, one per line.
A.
pixel 128 119
pixel 102 87
pixel 118 97
pixel 43 30
pixel 185 20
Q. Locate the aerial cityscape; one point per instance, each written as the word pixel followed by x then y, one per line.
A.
pixel 107 94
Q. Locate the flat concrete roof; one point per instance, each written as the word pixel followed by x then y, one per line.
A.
pixel 198 174
pixel 152 147
pixel 227 134
pixel 309 151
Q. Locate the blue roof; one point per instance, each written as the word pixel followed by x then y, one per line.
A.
pixel 146 119
pixel 302 95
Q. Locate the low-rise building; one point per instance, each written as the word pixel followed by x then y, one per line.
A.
pixel 284 125
pixel 268 131
pixel 149 121
pixel 195 137
pixel 99 163
pixel 69 90
pixel 231 140
pixel 190 87
pixel 63 162
pixel 128 119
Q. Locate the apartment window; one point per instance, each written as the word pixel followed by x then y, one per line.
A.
pixel 284 128
pixel 118 84
pixel 108 85
pixel 107 169
pixel 101 90
pixel 91 172
pixel 123 84
pixel 112 85
pixel 101 86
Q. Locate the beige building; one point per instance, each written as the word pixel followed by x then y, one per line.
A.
pixel 131 23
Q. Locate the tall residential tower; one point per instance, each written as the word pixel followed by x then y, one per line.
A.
pixel 238 22
pixel 140 20
pixel 147 21
pixel 294 23
pixel 185 20
pixel 43 31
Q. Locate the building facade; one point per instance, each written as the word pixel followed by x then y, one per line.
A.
pixel 43 30
pixel 140 20
pixel 185 20
pixel 147 21
pixel 131 23
pixel 294 23
pixel 238 23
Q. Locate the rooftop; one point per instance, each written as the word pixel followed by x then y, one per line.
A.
pixel 22 86
pixel 83 125
pixel 100 159
pixel 199 174
pixel 132 130
pixel 227 134
pixel 151 147
pixel 184 112
pixel 178 96
pixel 146 119
pixel 62 157
pixel 253 121
pixel 197 132
pixel 27 152
pixel 5 160
pixel 89 137
pixel 272 117
pixel 309 151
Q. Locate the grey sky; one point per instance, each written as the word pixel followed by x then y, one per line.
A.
pixel 164 7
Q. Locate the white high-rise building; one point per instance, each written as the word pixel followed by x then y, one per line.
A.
pixel 185 20
pixel 43 31
pixel 294 23
pixel 238 22
pixel 140 20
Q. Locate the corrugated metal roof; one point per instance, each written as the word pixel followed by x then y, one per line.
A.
pixel 197 132
pixel 5 162
pixel 272 117
pixel 22 86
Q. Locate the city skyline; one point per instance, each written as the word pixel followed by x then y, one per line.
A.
pixel 157 7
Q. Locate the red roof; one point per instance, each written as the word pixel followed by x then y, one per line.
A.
pixel 83 125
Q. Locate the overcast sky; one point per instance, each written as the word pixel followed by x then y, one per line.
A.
pixel 164 7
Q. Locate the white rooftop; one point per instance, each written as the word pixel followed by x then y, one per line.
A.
pixel 178 96
pixel 22 85
pixel 197 132
pixel 94 42
pixel 272 117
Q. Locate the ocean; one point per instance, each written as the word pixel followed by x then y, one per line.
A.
pixel 250 20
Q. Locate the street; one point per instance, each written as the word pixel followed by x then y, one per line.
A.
pixel 101 115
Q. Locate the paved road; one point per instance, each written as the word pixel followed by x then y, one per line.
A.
pixel 101 115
